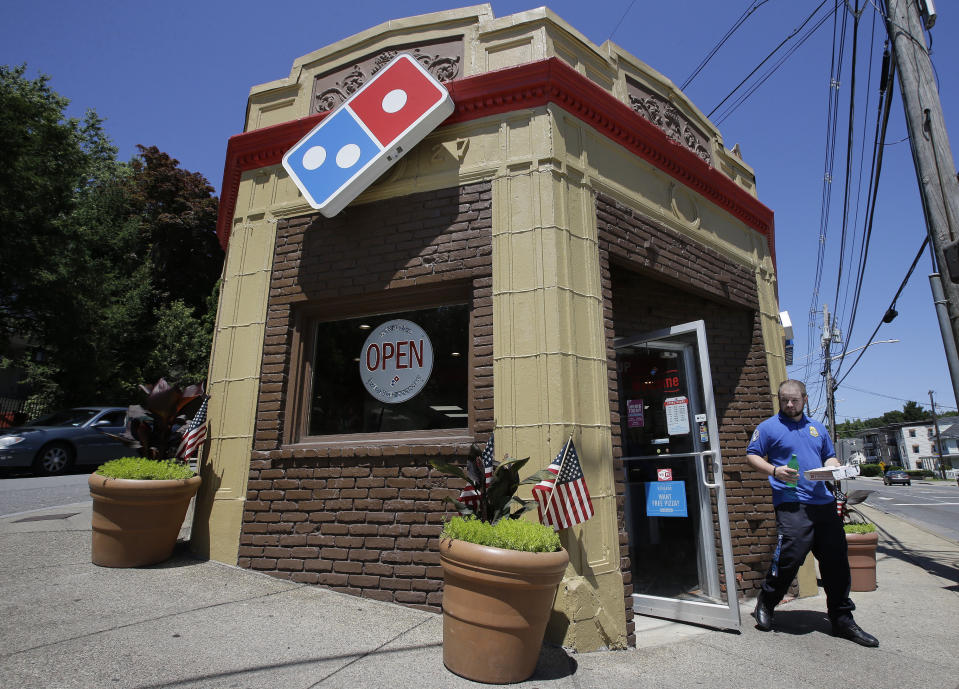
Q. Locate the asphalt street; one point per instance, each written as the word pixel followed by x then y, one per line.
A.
pixel 23 493
pixel 931 505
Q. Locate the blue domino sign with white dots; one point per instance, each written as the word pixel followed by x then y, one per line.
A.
pixel 356 143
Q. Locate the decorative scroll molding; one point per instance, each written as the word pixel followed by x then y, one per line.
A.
pixel 532 85
pixel 443 59
pixel 667 117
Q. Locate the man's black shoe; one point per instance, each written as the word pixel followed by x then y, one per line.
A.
pixel 763 615
pixel 853 632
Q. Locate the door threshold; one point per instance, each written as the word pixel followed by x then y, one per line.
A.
pixel 656 631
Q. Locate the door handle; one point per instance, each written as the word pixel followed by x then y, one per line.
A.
pixel 715 465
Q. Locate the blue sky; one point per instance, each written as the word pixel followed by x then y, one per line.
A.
pixel 177 75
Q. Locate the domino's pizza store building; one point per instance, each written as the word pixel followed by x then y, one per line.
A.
pixel 572 252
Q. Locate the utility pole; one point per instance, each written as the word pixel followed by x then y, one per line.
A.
pixel 935 169
pixel 827 337
pixel 935 422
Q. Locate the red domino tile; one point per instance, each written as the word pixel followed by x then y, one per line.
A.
pixel 421 94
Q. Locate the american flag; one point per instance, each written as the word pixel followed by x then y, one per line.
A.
pixel 470 496
pixel 194 434
pixel 564 501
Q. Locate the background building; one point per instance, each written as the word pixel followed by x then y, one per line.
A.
pixel 911 445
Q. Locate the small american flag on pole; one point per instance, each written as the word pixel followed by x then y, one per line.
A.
pixel 194 434
pixel 564 501
pixel 470 496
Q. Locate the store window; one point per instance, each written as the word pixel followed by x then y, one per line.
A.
pixel 420 370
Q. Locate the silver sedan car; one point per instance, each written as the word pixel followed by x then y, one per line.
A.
pixel 54 443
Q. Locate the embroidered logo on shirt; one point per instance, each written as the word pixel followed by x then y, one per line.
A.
pixel 813 432
pixel 755 435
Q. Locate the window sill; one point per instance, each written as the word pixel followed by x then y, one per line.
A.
pixel 455 442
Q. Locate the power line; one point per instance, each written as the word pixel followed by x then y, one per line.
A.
pixel 887 84
pixel 616 28
pixel 850 140
pixel 753 6
pixel 898 399
pixel 862 156
pixel 772 70
pixel 832 114
pixel 767 58
pixel 898 292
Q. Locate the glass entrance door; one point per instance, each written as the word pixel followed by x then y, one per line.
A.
pixel 675 499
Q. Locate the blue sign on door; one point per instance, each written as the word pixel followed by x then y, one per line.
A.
pixel 666 499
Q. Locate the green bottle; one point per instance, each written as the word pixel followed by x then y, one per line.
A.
pixel 793 464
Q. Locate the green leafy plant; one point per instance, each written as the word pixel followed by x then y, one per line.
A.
pixel 494 517
pixel 860 527
pixel 145 469
pixel 497 498
pixel 512 534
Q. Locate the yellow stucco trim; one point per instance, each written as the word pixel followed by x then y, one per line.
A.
pixel 550 376
pixel 233 382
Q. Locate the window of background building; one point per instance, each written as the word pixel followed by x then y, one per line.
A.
pixel 912 432
pixel 340 404
pixel 915 449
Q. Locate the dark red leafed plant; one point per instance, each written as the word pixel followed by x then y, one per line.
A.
pixel 155 426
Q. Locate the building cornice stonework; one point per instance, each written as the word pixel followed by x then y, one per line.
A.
pixel 526 86
pixel 441 58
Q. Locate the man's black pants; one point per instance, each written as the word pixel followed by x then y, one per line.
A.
pixel 817 528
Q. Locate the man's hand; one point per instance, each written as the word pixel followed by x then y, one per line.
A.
pixel 787 474
pixel 831 462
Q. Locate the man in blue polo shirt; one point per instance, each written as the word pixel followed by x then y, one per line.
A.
pixel 806 516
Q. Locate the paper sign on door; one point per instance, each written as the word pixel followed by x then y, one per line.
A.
pixel 677 415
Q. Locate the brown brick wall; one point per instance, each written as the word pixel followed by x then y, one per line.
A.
pixel 362 515
pixel 654 278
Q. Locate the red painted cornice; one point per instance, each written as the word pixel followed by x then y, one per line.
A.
pixel 527 86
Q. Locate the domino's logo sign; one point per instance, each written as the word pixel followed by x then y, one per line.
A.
pixel 360 140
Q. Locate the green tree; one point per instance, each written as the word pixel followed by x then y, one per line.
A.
pixel 911 411
pixel 181 342
pixel 46 159
pixel 178 213
pixel 109 268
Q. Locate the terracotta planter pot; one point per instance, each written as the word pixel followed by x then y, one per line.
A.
pixel 862 560
pixel 136 523
pixel 496 604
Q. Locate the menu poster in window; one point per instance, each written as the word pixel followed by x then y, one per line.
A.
pixel 677 415
pixel 634 410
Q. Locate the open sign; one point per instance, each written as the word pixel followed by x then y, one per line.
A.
pixel 396 361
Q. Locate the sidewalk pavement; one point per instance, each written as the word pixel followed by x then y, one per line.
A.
pixel 190 623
